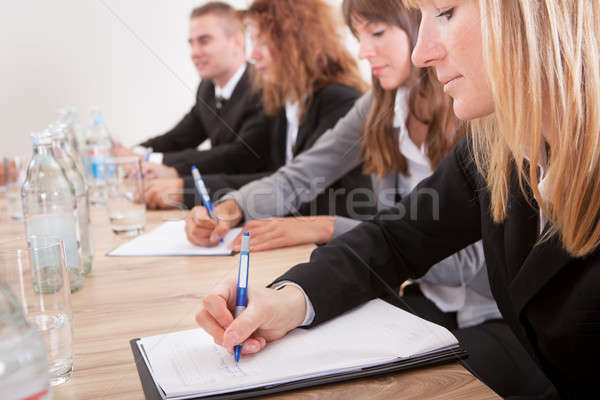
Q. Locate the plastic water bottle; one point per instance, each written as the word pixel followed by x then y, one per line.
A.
pixel 68 118
pixel 49 204
pixel 23 364
pixel 74 172
pixel 98 149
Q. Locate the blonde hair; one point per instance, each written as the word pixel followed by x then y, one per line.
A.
pixel 542 58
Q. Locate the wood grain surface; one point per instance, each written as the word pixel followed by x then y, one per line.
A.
pixel 129 297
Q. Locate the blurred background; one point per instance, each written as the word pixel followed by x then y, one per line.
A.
pixel 130 58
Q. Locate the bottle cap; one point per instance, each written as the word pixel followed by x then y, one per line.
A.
pixel 41 138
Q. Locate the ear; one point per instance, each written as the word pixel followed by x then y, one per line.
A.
pixel 240 40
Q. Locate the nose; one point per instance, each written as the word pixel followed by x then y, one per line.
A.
pixel 366 49
pixel 255 53
pixel 428 50
pixel 196 50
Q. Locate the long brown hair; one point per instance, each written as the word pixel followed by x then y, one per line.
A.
pixel 306 44
pixel 427 101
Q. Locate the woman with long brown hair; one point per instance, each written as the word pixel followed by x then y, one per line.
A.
pixel 401 130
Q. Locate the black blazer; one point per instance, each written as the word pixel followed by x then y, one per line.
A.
pixel 329 104
pixel 549 299
pixel 236 133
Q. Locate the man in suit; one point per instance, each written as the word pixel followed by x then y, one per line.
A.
pixel 227 112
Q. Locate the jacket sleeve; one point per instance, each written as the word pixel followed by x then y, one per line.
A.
pixel 248 153
pixel 189 132
pixel 440 217
pixel 217 185
pixel 334 154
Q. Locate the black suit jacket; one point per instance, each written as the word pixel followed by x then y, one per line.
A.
pixel 236 132
pixel 549 299
pixel 329 104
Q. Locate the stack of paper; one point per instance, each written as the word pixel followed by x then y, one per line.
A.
pixel 188 364
pixel 169 239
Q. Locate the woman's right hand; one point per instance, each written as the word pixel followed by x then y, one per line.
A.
pixel 270 315
pixel 201 230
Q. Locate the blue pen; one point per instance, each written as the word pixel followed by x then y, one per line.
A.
pixel 148 154
pixel 242 287
pixel 201 188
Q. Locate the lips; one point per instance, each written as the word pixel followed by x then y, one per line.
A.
pixel 449 82
pixel 378 70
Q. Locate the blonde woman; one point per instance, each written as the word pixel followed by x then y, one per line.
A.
pixel 527 182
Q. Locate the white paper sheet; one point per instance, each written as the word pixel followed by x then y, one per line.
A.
pixel 169 239
pixel 188 363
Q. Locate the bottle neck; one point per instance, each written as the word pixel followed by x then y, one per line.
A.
pixel 42 149
pixel 59 148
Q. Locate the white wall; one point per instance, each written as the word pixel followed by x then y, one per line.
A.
pixel 129 57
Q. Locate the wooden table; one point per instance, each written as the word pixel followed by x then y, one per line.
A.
pixel 129 297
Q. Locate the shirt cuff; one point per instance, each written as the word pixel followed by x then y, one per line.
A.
pixel 310 311
pixel 156 158
pixel 153 158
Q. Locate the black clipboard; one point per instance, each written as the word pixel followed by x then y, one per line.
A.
pixel 443 357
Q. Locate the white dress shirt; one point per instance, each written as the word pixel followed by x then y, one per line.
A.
pixel 292 114
pixel 224 92
pixel 457 293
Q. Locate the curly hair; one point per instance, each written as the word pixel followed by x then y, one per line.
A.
pixel 306 44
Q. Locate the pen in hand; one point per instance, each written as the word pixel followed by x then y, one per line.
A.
pixel 201 188
pixel 149 151
pixel 242 286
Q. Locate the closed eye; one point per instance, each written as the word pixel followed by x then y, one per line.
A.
pixel 446 13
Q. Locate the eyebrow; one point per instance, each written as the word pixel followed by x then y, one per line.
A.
pixel 200 38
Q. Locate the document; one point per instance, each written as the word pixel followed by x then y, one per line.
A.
pixel 189 364
pixel 169 239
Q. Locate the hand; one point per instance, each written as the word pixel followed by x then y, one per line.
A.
pixel 158 171
pixel 270 315
pixel 164 193
pixel 121 151
pixel 8 172
pixel 201 230
pixel 273 233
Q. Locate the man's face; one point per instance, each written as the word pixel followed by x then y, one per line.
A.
pixel 213 52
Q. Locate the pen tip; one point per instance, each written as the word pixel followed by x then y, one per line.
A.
pixel 236 353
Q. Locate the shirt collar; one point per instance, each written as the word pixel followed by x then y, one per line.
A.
pixel 292 110
pixel 226 91
pixel 407 147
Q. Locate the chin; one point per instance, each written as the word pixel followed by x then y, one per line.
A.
pixel 467 111
pixel 388 83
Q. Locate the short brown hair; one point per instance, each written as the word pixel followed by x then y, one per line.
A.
pixel 232 23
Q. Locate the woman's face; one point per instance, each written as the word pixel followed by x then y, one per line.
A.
pixel 261 54
pixel 450 41
pixel 387 49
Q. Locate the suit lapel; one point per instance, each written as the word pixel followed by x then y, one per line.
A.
pixel 279 138
pixel 306 128
pixel 530 262
pixel 543 262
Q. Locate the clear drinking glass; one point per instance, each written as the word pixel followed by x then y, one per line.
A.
pixel 34 269
pixel 126 204
pixel 15 171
